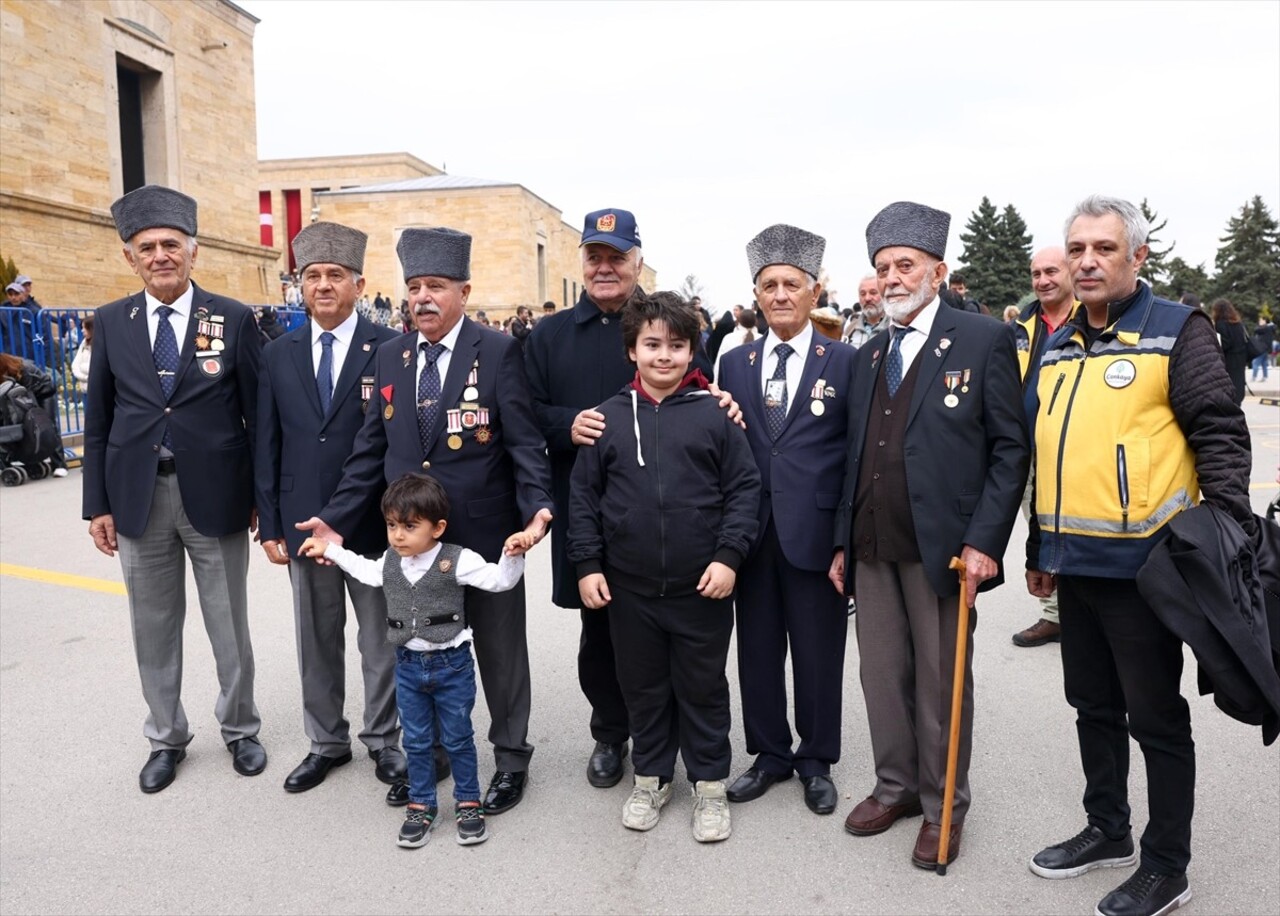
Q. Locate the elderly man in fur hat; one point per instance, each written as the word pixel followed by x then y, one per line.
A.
pixel 936 463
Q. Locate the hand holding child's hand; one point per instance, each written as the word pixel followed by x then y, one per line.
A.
pixel 717 581
pixel 313 547
pixel 594 591
pixel 519 543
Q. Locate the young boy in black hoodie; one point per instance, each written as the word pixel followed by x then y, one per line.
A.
pixel 662 512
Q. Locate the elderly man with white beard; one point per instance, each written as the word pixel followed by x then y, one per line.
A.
pixel 935 468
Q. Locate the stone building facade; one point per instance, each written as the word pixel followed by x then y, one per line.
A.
pixel 100 96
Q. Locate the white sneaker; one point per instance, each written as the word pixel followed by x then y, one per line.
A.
pixel 711 821
pixel 59 472
pixel 647 798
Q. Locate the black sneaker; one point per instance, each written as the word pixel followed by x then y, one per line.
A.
pixel 1146 894
pixel 416 829
pixel 1087 850
pixel 471 829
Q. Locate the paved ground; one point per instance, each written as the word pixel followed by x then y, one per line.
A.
pixel 76 835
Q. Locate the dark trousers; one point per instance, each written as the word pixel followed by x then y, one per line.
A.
pixel 598 675
pixel 671 664
pixel 502 653
pixel 1118 658
pixel 780 605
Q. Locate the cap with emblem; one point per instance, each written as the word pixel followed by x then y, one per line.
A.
pixel 438 252
pixel 612 227
pixel 330 243
pixel 783 244
pixel 22 280
pixel 152 207
pixel 911 225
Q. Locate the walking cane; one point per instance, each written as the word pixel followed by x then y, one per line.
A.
pixel 957 701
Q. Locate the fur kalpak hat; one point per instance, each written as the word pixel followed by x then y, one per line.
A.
pixel 909 224
pixel 330 243
pixel 151 207
pixel 438 252
pixel 783 244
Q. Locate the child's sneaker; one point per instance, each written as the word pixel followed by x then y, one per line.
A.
pixel 647 798
pixel 711 822
pixel 416 829
pixel 471 829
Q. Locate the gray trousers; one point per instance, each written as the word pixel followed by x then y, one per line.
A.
pixel 907 646
pixel 320 618
pixel 502 655
pixel 1048 606
pixel 155 574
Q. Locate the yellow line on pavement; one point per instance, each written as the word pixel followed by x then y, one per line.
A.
pixel 57 578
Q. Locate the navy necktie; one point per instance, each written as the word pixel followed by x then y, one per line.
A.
pixel 429 392
pixel 893 362
pixel 324 376
pixel 165 355
pixel 776 414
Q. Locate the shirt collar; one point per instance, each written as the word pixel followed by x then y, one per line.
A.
pixel 923 322
pixel 798 344
pixel 343 332
pixel 421 561
pixel 449 340
pixel 181 305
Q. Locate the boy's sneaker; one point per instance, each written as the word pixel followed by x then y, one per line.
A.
pixel 471 829
pixel 711 821
pixel 416 829
pixel 647 798
pixel 1146 894
pixel 1087 850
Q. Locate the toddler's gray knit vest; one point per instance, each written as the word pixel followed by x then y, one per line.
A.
pixel 430 608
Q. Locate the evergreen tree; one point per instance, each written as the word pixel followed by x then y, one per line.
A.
pixel 1180 277
pixel 1248 262
pixel 997 249
pixel 1015 256
pixel 1156 266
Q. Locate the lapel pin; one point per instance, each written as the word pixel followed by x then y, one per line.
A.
pixel 751 357
pixel 134 313
pixel 821 350
pixel 937 352
pixel 366 348
pixel 944 343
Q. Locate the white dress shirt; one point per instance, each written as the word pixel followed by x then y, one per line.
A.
pixel 342 337
pixel 450 342
pixel 914 342
pixel 794 365
pixel 178 320
pixel 472 570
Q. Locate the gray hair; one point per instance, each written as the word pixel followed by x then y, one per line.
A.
pixel 636 248
pixel 1136 227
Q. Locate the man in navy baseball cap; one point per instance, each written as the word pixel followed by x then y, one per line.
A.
pixel 612 227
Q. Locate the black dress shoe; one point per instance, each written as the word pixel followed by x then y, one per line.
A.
pixel 819 793
pixel 248 756
pixel 312 771
pixel 160 769
pixel 504 793
pixel 444 769
pixel 752 784
pixel 398 795
pixel 604 769
pixel 390 762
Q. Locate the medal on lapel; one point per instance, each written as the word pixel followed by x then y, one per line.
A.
pixel 483 433
pixel 951 379
pixel 470 393
pixel 453 426
pixel 964 388
pixel 388 412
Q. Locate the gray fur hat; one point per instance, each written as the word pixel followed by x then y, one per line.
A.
pixel 438 252
pixel 330 243
pixel 151 207
pixel 783 244
pixel 912 225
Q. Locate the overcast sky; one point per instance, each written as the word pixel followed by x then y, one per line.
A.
pixel 712 121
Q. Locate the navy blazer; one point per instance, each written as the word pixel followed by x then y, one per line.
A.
pixel 802 471
pixel 211 416
pixel 966 465
pixel 300 451
pixel 496 481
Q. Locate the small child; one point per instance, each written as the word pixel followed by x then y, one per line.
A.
pixel 661 513
pixel 423 581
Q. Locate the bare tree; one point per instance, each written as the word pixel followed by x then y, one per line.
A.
pixel 690 288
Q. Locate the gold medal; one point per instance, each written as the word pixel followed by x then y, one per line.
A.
pixel 470 393
pixel 483 435
pixel 202 342
pixel 816 408
pixel 388 412
pixel 455 442
pixel 951 400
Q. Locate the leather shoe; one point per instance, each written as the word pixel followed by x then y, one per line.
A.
pixel 398 795
pixel 312 771
pixel 819 793
pixel 1039 633
pixel 870 817
pixel 752 784
pixel 248 756
pixel 160 769
pixel 444 769
pixel 505 792
pixel 925 855
pixel 390 764
pixel 604 769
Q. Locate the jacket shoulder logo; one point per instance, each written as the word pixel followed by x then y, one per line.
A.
pixel 1120 374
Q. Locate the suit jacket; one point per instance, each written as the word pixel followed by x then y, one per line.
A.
pixel 300 451
pixel 496 486
pixel 211 416
pixel 966 465
pixel 801 472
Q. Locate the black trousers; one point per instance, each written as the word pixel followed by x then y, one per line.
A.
pixel 1119 661
pixel 780 605
pixel 598 676
pixel 671 656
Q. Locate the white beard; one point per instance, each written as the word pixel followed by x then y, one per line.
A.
pixel 899 309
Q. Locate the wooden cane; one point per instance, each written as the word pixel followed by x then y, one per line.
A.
pixel 957 703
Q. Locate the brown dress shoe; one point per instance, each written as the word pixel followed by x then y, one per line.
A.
pixel 1039 633
pixel 871 817
pixel 925 855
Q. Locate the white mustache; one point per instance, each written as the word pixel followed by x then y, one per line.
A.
pixel 426 308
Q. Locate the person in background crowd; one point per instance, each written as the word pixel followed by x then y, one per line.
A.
pixel 1264 341
pixel 872 319
pixel 84 354
pixel 1011 314
pixel 522 324
pixel 1234 341
pixel 40 386
pixel 548 308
